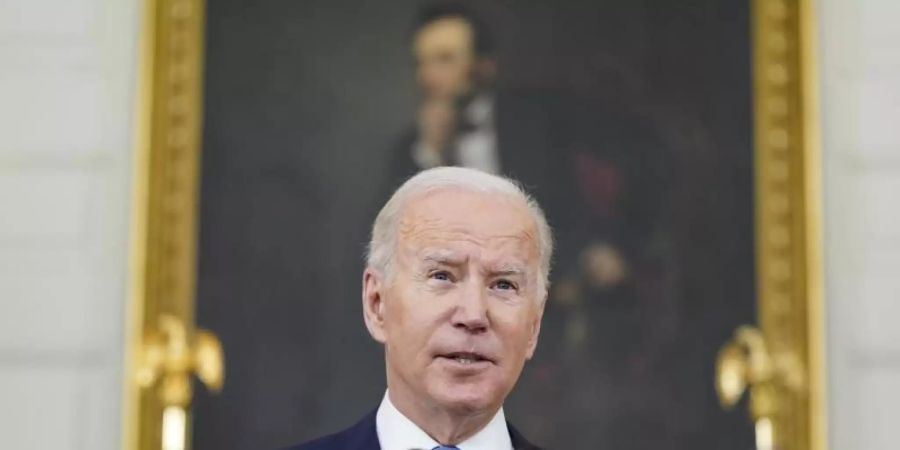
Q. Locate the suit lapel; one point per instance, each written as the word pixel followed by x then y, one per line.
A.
pixel 518 441
pixel 367 436
pixel 361 436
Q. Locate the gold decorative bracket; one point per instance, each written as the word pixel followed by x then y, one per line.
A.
pixel 746 364
pixel 168 357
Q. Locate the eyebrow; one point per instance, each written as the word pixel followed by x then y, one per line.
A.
pixel 443 257
pixel 508 269
pixel 450 258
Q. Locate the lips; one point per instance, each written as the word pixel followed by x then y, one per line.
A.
pixel 466 358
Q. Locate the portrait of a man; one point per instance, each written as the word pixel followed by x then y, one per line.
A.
pixel 546 139
pixel 614 117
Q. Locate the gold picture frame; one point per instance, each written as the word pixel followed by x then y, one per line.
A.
pixel 788 218
pixel 165 197
pixel 790 399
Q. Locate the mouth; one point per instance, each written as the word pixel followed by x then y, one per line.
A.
pixel 466 358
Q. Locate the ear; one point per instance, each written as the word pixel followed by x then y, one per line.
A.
pixel 373 303
pixel 535 329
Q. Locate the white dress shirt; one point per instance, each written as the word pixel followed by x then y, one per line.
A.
pixel 475 148
pixel 397 432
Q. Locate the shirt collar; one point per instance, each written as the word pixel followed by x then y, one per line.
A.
pixel 397 432
pixel 480 111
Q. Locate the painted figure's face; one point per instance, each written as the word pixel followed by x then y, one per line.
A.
pixel 460 312
pixel 445 58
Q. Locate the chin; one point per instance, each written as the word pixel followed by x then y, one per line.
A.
pixel 467 396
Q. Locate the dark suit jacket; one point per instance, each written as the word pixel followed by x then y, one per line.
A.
pixel 363 436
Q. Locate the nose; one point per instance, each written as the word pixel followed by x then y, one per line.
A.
pixel 471 314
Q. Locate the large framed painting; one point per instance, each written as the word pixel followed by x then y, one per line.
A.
pixel 672 145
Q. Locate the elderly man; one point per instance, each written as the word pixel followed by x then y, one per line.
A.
pixel 454 289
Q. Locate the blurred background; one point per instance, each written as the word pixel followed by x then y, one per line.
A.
pixel 296 95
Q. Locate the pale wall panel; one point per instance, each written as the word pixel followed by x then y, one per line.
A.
pixel 52 315
pixel 46 111
pixel 879 210
pixel 879 395
pixel 67 79
pixel 877 332
pixel 42 20
pixel 99 420
pixel 860 99
pixel 880 109
pixel 39 408
pixel 48 204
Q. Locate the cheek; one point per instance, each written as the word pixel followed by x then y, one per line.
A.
pixel 430 74
pixel 408 323
pixel 404 340
pixel 451 74
pixel 514 325
pixel 461 76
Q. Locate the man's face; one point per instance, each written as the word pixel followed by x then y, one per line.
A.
pixel 445 58
pixel 461 312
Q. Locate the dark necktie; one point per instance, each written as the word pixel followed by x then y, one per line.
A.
pixel 444 447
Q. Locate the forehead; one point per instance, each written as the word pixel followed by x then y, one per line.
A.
pixel 450 33
pixel 496 226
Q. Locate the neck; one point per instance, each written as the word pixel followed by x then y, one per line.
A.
pixel 466 99
pixel 444 426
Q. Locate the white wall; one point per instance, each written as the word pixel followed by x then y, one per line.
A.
pixel 860 98
pixel 67 71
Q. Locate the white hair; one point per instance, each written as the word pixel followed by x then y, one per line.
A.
pixel 383 242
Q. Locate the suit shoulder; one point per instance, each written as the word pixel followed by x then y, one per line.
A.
pixel 330 442
pixel 361 436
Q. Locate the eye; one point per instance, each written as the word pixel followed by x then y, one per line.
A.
pixel 440 275
pixel 505 285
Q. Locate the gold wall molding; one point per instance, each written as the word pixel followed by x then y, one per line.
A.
pixel 788 401
pixel 165 200
pixel 790 309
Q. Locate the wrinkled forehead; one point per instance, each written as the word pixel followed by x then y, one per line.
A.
pixel 495 227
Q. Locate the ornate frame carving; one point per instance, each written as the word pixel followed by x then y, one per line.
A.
pixel 788 216
pixel 166 182
pixel 165 195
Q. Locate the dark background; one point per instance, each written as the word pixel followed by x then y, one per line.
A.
pixel 303 101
